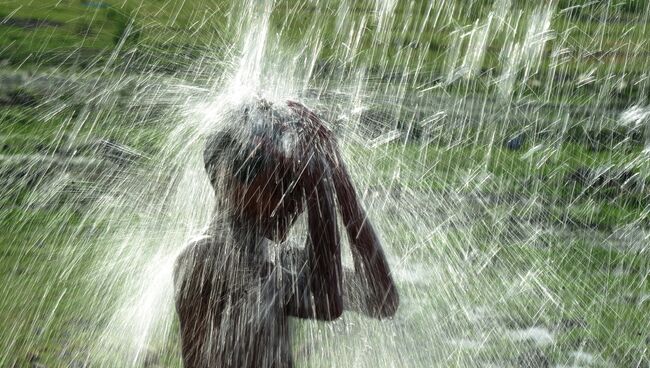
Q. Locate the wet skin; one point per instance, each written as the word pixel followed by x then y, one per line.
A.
pixel 234 302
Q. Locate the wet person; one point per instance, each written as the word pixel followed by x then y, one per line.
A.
pixel 237 285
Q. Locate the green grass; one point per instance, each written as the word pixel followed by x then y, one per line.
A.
pixel 539 170
pixel 600 286
pixel 579 273
pixel 206 25
pixel 588 296
pixel 595 290
pixel 40 303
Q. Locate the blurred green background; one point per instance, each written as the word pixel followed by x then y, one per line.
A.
pixel 552 155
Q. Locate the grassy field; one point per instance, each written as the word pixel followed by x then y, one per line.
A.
pixel 548 234
pixel 592 38
pixel 599 285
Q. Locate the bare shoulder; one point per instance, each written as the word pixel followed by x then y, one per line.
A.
pixel 199 245
pixel 197 252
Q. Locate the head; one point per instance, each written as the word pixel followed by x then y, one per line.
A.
pixel 277 160
pixel 256 167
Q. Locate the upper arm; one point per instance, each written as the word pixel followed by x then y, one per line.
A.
pixel 194 269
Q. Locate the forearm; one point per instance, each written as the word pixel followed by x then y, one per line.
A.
pixel 324 254
pixel 370 263
pixel 301 302
pixel 316 292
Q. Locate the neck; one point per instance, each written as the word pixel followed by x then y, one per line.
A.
pixel 240 237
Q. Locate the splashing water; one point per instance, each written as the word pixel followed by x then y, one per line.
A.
pixel 500 148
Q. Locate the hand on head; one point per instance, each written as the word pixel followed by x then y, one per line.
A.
pixel 369 257
pixel 286 157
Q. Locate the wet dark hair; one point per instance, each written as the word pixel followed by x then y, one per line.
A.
pixel 244 162
pixel 256 144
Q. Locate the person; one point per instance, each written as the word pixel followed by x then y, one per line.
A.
pixel 237 285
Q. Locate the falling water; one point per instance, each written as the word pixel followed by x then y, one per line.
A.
pixel 506 177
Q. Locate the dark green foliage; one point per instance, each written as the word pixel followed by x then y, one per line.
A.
pixel 84 29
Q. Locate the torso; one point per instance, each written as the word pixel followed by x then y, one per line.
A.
pixel 231 309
